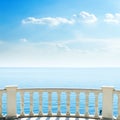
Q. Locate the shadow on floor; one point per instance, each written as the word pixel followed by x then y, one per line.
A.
pixel 54 118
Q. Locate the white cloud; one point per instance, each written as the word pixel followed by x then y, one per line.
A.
pixel 63 46
pixel 57 46
pixel 63 54
pixel 82 17
pixel 86 17
pixel 83 46
pixel 112 18
pixel 55 21
pixel 48 20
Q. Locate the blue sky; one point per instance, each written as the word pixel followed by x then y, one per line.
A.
pixel 59 33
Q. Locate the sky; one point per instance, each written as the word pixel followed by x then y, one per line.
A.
pixel 59 33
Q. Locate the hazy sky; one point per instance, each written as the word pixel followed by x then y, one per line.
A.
pixel 59 33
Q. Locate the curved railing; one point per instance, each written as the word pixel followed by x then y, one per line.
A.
pixel 106 110
pixel 59 91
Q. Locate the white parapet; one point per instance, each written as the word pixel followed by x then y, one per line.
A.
pixel 107 109
pixel 11 100
pixel 107 106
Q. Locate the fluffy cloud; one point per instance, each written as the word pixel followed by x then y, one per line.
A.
pixel 55 21
pixel 112 18
pixel 85 17
pixel 48 20
pixel 82 17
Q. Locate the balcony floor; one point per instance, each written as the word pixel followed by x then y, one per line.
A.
pixel 54 118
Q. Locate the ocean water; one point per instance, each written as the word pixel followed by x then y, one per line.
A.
pixel 59 78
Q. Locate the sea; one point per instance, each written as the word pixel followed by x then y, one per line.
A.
pixel 93 78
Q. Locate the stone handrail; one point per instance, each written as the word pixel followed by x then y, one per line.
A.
pixel 107 101
pixel 59 91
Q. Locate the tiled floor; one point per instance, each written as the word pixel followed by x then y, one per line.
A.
pixel 54 118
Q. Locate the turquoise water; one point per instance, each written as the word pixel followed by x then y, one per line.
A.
pixel 59 78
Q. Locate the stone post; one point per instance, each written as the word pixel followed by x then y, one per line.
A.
pixel 107 109
pixel 11 101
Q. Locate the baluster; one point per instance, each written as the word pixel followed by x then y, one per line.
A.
pixel 86 107
pixel 40 104
pixel 0 104
pixel 49 104
pixel 77 104
pixel 59 99
pixel 22 104
pixel 118 117
pixel 31 104
pixel 68 104
pixel 96 104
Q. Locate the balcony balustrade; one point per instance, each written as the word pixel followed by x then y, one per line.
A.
pixel 106 111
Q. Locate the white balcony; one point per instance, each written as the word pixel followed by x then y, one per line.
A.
pixel 107 94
